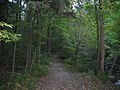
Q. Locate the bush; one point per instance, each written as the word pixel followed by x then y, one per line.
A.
pixel 40 70
pixel 27 81
pixel 69 61
pixel 103 76
pixel 43 59
pixel 79 65
pixel 20 81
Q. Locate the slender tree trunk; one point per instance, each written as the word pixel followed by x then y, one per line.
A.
pixel 37 43
pixel 111 69
pixel 18 19
pixel 100 36
pixel 27 59
pixel 14 54
pixel 29 49
pixel 102 48
pixel 98 31
pixel 20 9
pixel 33 60
pixel 49 42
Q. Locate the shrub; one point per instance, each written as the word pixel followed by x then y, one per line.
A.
pixel 69 61
pixel 27 81
pixel 80 65
pixel 43 59
pixel 20 81
pixel 103 76
pixel 40 70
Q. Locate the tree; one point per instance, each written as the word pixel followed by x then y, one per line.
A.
pixel 100 35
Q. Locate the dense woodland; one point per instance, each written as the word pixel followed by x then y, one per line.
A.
pixel 85 34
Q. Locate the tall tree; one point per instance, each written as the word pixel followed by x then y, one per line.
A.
pixel 100 34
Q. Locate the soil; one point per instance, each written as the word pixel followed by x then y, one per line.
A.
pixel 60 78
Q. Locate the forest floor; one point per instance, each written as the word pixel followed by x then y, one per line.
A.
pixel 59 78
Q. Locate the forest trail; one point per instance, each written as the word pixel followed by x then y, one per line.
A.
pixel 61 79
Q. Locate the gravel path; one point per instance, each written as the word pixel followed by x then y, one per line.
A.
pixel 61 79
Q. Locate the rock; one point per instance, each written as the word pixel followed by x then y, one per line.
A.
pixel 117 83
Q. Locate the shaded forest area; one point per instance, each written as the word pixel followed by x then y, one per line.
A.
pixel 85 34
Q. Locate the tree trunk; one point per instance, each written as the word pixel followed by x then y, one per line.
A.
pixel 100 36
pixel 33 60
pixel 14 54
pixel 102 48
pixel 18 19
pixel 49 42
pixel 98 30
pixel 115 59
pixel 29 49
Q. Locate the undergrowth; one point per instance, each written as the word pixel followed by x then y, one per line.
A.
pixel 85 68
pixel 28 80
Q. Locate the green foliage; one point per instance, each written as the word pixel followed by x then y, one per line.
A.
pixel 80 67
pixel 8 36
pixel 69 61
pixel 40 70
pixel 40 67
pixel 3 24
pixel 27 81
pixel 43 60
pixel 72 37
pixel 84 65
pixel 103 76
pixel 20 81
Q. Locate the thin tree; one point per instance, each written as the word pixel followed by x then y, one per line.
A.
pixel 100 35
pixel 18 19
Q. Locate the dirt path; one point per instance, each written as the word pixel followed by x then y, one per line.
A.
pixel 60 79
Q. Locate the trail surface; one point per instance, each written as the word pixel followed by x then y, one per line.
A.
pixel 61 79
